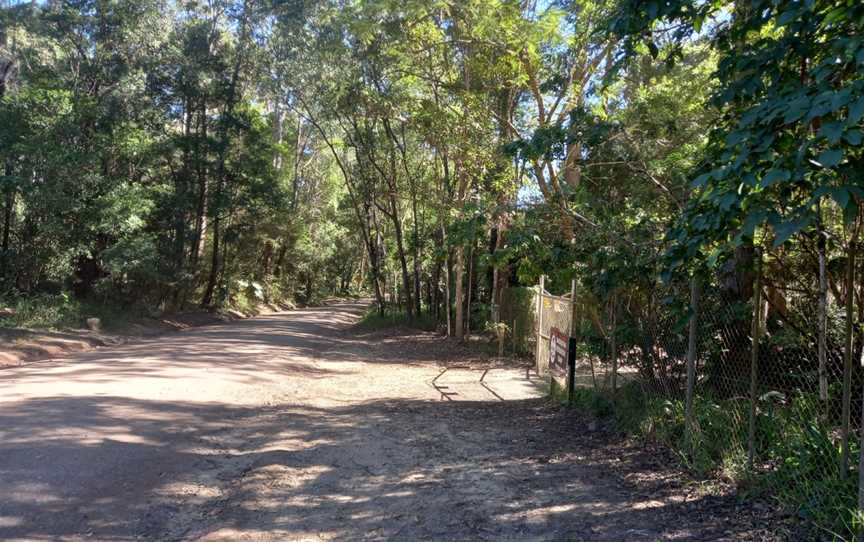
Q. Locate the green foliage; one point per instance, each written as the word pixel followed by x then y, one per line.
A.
pixel 517 311
pixel 597 404
pixel 375 321
pixel 798 460
pixel 230 154
pixel 141 161
pixel 63 311
pixel 790 93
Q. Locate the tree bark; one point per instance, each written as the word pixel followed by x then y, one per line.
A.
pixel 447 290
pixel 221 176
pixel 459 302
pixel 8 209
pixel 201 203
pixel 416 252
pixel 181 182
pixel 403 260
pixel 374 248
pixel 207 300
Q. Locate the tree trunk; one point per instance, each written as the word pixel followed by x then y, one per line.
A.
pixel 416 254
pixel 201 204
pixel 448 260
pixel 299 149
pixel 435 292
pixel 6 72
pixel 459 302
pixel 207 300
pixel 231 101
pixel 8 209
pixel 429 306
pixel 501 272
pixel 472 276
pixel 181 182
pixel 280 259
pixel 375 257
pixel 403 260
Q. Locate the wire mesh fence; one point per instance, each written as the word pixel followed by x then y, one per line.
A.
pixel 763 401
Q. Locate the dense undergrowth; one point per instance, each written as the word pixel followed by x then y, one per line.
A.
pixel 797 462
pixel 374 320
pixel 64 311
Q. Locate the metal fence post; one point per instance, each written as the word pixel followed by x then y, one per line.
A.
pixel 614 346
pixel 691 359
pixel 754 359
pixel 571 344
pixel 822 341
pixel 860 530
pixel 571 370
pixel 541 287
pixel 847 360
pixel 515 338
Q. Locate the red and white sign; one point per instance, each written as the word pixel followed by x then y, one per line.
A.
pixel 558 344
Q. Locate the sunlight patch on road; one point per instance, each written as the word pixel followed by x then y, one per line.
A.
pixel 10 521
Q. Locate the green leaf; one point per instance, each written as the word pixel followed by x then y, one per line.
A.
pixel 836 14
pixel 750 223
pixel 850 212
pixel 787 229
pixel 786 17
pixel 830 157
pixel 736 137
pixel 776 176
pixel 840 98
pixel 841 196
pixel 701 180
pixel 728 200
pixel 796 109
pixel 832 131
pixel 854 137
pixel 651 9
pixel 856 111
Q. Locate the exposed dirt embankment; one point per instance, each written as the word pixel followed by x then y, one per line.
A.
pixel 19 345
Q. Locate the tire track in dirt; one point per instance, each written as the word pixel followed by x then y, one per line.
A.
pixel 295 427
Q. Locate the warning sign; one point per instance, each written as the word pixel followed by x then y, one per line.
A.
pixel 558 344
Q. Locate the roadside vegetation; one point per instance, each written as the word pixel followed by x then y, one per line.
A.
pixel 440 156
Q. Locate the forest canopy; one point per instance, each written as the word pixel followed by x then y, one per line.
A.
pixel 172 154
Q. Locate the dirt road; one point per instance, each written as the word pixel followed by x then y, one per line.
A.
pixel 292 427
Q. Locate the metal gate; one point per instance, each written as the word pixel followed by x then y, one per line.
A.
pixel 551 311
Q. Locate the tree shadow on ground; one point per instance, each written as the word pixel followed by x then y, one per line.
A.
pixel 254 351
pixel 389 469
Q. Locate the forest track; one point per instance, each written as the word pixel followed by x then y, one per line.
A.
pixel 294 426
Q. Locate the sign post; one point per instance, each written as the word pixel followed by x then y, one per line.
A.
pixel 562 359
pixel 571 369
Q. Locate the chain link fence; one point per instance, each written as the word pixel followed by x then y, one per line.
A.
pixel 679 363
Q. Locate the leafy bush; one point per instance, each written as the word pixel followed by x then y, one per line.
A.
pixel 62 311
pixel 798 457
pixel 374 321
pixel 517 311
